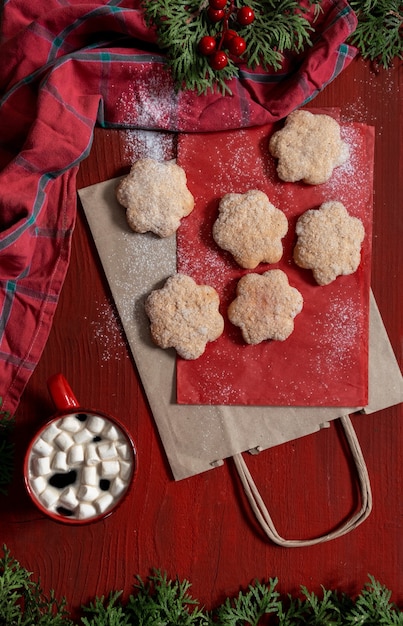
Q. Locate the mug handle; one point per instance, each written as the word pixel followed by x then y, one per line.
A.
pixel 61 393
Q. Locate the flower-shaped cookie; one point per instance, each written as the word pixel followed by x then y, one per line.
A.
pixel 155 196
pixel 329 242
pixel 265 306
pixel 184 316
pixel 308 148
pixel 250 228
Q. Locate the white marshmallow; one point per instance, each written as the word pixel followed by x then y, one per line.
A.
pixel 49 497
pixel 91 455
pixel 40 465
pixel 71 424
pixel 85 510
pixel 123 450
pixel 83 436
pixel 95 423
pixel 51 432
pixel 117 487
pixel 106 451
pixel 125 470
pixel 89 475
pixel 38 484
pixel 42 447
pixel 110 469
pixel 59 461
pixel 111 432
pixel 104 502
pixel 68 498
pixel 64 441
pixel 87 493
pixel 76 455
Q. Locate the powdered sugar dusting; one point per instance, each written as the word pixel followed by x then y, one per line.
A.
pixel 139 254
pixel 108 333
pixel 337 330
pixel 238 177
pixel 140 144
pixel 349 179
pixel 382 86
pixel 149 102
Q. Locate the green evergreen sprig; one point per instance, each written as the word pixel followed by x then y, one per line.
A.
pixel 6 449
pixel 379 34
pixel 22 601
pixel 251 605
pixel 163 601
pixel 160 601
pixel 279 26
pixel 106 611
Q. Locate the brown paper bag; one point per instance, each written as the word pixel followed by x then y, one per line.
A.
pixel 198 438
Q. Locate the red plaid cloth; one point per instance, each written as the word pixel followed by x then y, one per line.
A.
pixel 68 65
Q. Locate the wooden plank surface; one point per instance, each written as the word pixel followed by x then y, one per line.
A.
pixel 201 528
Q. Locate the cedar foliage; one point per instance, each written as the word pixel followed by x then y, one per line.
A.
pixel 379 34
pixel 160 601
pixel 280 27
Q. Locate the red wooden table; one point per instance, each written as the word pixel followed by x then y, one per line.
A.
pixel 201 528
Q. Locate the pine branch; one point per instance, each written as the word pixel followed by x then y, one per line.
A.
pixel 164 602
pixel 379 34
pixel 22 602
pixel 279 26
pixel 250 606
pixel 324 611
pixel 373 607
pixel 107 612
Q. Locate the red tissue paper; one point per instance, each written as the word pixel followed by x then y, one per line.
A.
pixel 324 362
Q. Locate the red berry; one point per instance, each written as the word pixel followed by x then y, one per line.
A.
pixel 218 4
pixel 215 15
pixel 245 16
pixel 207 45
pixel 228 35
pixel 218 60
pixel 237 45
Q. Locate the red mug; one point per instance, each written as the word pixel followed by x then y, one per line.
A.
pixel 80 465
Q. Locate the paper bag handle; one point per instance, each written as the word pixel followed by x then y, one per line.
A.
pixel 263 516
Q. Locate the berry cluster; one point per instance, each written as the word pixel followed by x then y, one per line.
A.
pixel 228 41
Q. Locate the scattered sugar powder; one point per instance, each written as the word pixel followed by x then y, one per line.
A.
pixel 236 178
pixel 376 85
pixel 211 269
pixel 338 331
pixel 108 332
pixel 357 111
pixel 143 262
pixel 149 103
pixel 349 179
pixel 140 144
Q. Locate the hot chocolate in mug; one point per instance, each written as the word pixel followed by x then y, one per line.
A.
pixel 80 465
